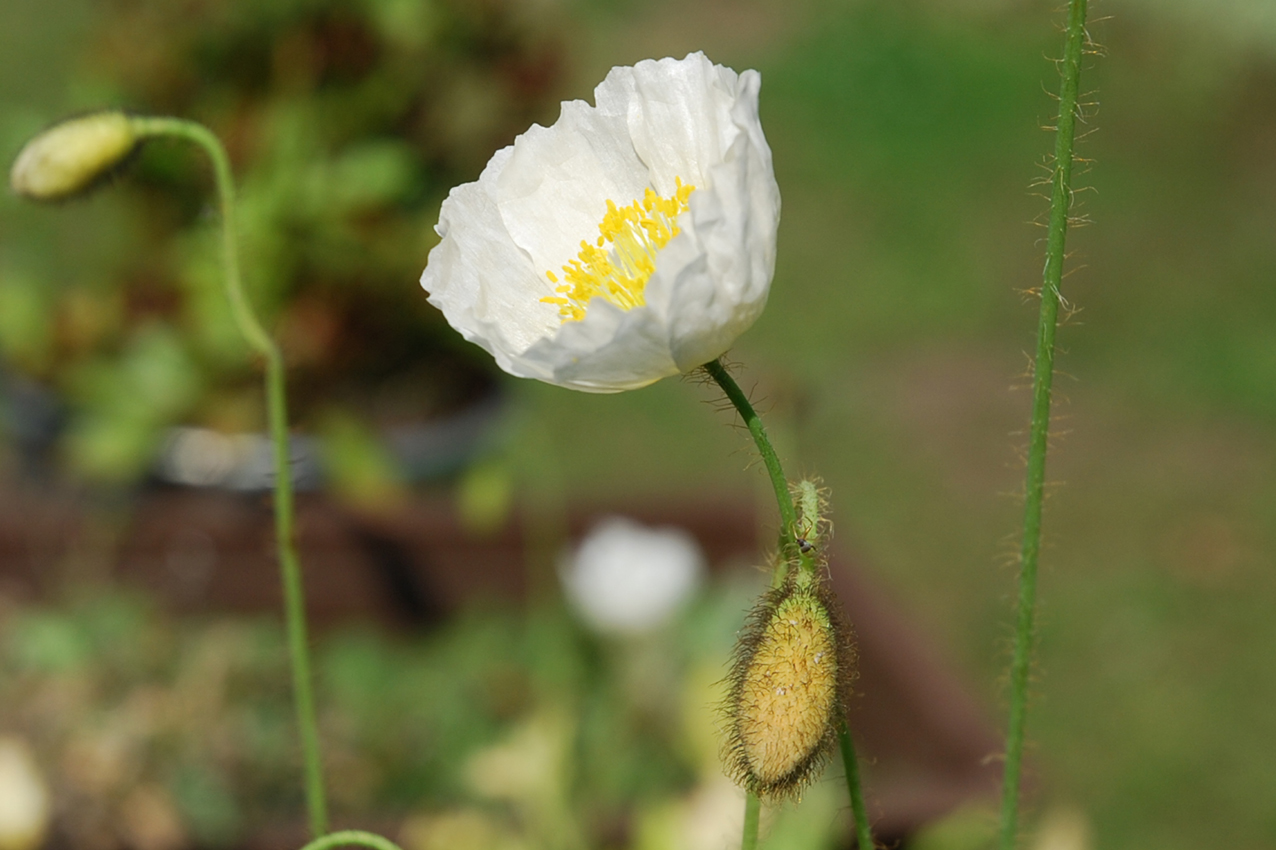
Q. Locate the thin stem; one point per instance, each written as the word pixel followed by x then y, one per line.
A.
pixel 277 413
pixel 351 838
pixel 1034 488
pixel 788 546
pixel 783 498
pixel 249 326
pixel 863 831
pixel 752 814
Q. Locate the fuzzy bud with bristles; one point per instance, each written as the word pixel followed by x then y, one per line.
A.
pixel 790 681
pixel 811 502
pixel 72 156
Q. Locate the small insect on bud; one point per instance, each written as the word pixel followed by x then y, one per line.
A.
pixel 72 156
pixel 789 683
pixel 813 526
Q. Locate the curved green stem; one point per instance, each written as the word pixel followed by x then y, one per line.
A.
pixel 277 412
pixel 1034 488
pixel 789 549
pixel 351 838
pixel 783 498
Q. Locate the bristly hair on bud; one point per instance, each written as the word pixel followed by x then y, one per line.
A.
pixel 813 528
pixel 789 684
pixel 73 156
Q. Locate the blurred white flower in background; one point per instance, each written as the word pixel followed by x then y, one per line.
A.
pixel 24 800
pixel 630 241
pixel 626 578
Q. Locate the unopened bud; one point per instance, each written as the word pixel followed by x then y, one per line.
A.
pixel 790 680
pixel 71 156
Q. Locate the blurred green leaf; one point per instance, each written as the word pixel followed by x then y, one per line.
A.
pixel 48 642
pixel 485 495
pixel 357 462
pixel 369 175
pixel 127 403
pixel 208 805
pixel 25 320
pixel 410 23
pixel 970 827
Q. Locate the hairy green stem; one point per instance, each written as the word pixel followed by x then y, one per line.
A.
pixel 789 548
pixel 351 838
pixel 863 831
pixel 277 412
pixel 788 515
pixel 783 498
pixel 1034 488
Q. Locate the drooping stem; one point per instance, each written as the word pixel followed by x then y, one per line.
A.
pixel 790 550
pixel 277 413
pixel 1034 488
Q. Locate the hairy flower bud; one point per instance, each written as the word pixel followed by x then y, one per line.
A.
pixel 790 681
pixel 72 156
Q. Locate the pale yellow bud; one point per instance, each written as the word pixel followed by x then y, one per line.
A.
pixel 71 156
pixel 789 691
pixel 789 684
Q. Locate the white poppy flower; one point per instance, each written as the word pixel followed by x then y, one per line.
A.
pixel 626 578
pixel 630 241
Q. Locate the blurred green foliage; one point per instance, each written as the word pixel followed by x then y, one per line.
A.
pixel 347 121
pixel 556 736
pixel 905 135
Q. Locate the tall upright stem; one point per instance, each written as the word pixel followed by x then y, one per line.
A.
pixel 1034 488
pixel 277 413
pixel 790 550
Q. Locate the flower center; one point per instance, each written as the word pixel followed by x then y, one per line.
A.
pixel 619 273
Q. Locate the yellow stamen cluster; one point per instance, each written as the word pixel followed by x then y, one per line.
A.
pixel 623 257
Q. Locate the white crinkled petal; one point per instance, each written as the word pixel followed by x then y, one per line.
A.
pixel 481 280
pixel 553 190
pixel 736 225
pixel 694 120
pixel 537 200
pixel 734 216
pixel 678 112
pixel 609 351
